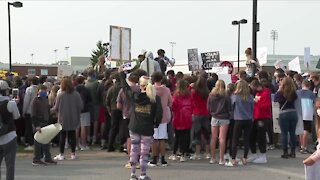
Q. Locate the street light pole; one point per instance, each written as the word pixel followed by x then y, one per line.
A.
pixel 31 57
pixel 67 51
pixel 172 45
pixel 17 5
pixel 274 37
pixel 55 55
pixel 238 23
pixel 254 35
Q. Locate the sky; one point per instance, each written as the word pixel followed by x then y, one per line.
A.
pixel 42 26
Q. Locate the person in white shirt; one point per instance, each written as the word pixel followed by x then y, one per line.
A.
pixel 31 93
pixel 8 137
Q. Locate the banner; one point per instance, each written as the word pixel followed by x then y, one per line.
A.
pixel 193 60
pixel 294 65
pixel 120 38
pixel 209 59
pixel 280 65
pixel 262 55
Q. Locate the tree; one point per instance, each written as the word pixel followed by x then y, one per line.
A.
pixel 96 53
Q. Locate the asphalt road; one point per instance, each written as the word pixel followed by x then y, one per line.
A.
pixel 99 165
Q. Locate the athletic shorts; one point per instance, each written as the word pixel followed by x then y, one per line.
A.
pixel 85 119
pixel 102 115
pixel 200 126
pixel 307 126
pixel 219 122
pixel 161 133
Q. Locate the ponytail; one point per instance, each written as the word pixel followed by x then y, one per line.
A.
pixel 151 92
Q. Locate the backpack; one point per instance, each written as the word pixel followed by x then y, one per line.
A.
pixel 163 65
pixel 4 126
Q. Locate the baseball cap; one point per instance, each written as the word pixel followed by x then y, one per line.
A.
pixel 3 85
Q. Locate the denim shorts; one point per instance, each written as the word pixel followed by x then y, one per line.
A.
pixel 219 122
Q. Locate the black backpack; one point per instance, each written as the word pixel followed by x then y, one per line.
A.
pixel 4 126
pixel 163 65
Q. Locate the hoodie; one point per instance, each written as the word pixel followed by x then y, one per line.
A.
pixel 262 108
pixel 182 108
pixel 219 106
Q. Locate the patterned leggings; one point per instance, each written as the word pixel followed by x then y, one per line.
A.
pixel 140 146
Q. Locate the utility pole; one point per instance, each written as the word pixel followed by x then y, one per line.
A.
pixel 274 37
pixel 67 51
pixel 31 57
pixel 255 29
pixel 172 45
pixel 55 55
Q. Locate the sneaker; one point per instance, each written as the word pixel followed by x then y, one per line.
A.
pixel 222 162
pixel 271 147
pixel 213 161
pixel 29 148
pixel 304 151
pixel 252 158
pixel 85 148
pixel 134 177
pixel 208 156
pixel 226 157
pixel 261 160
pixel 51 162
pixel 38 163
pixel 128 165
pixel 152 164
pixel 73 157
pixel 183 159
pixel 172 156
pixel 138 166
pixel 144 178
pixel 230 164
pixel 59 157
pixel 195 157
pixel 164 163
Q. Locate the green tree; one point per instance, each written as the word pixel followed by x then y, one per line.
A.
pixel 96 53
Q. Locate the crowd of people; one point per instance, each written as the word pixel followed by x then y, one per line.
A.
pixel 148 110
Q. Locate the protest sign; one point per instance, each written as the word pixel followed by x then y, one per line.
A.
pixel 294 65
pixel 193 60
pixel 209 59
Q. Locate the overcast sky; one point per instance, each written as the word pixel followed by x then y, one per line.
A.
pixel 42 26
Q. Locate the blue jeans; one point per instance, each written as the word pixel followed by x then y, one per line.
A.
pixel 288 123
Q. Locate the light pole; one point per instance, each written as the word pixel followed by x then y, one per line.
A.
pixel 16 4
pixel 255 29
pixel 55 55
pixel 238 23
pixel 172 45
pixel 67 51
pixel 274 37
pixel 31 57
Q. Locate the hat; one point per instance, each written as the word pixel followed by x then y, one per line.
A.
pixel 3 85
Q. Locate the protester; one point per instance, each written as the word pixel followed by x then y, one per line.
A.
pixel 147 115
pixel 8 138
pixel 100 67
pixel 288 118
pixel 262 115
pixel 124 104
pixel 305 113
pixel 161 133
pixel 298 79
pixel 172 81
pixel 219 106
pixel 231 88
pixel 212 81
pixel 251 63
pixel 68 106
pixel 243 103
pixel 92 84
pixel 316 82
pixel 31 93
pixel 200 118
pixel 40 118
pixel 83 130
pixel 114 112
pixel 164 61
pixel 149 64
pixel 182 107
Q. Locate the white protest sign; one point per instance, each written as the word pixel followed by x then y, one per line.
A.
pixel 280 64
pixel 262 55
pixel 294 65
pixel 220 70
pixel 307 57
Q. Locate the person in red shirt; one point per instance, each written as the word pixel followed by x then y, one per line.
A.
pixel 200 117
pixel 182 107
pixel 261 115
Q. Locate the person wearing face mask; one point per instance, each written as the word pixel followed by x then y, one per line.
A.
pixel 40 118
pixel 262 115
pixel 251 63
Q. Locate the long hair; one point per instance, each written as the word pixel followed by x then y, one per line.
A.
pixel 288 88
pixel 201 87
pixel 53 95
pixel 182 88
pixel 66 85
pixel 243 90
pixel 149 88
pixel 219 89
pixel 317 105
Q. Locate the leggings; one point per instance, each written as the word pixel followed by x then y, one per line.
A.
pixel 182 141
pixel 258 135
pixel 239 126
pixel 71 138
pixel 140 145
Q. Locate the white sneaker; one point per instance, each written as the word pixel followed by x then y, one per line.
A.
pixel 183 159
pixel 29 148
pixel 222 162
pixel 172 156
pixel 208 156
pixel 226 157
pixel 59 157
pixel 213 161
pixel 261 160
pixel 195 157
pixel 73 157
pixel 252 158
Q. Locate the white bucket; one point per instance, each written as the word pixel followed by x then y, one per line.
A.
pixel 47 133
